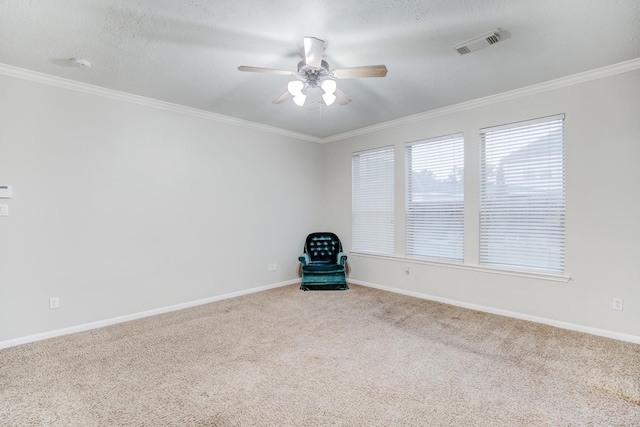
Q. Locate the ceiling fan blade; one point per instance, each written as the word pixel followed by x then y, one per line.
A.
pixel 357 72
pixel 282 98
pixel 341 97
pixel 265 70
pixel 313 50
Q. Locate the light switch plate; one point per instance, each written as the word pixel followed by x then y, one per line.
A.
pixel 6 191
pixel 4 210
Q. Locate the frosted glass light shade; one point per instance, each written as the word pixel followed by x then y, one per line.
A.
pixel 328 86
pixel 299 99
pixel 295 87
pixel 328 98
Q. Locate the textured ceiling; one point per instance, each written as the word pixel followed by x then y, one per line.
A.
pixel 187 51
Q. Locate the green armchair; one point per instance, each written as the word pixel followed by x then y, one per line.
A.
pixel 323 263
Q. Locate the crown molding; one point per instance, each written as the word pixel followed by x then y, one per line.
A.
pixel 63 83
pixel 599 73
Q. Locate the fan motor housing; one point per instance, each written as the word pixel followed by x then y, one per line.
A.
pixel 313 75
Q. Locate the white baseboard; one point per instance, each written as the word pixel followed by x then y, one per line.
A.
pixel 102 323
pixel 134 316
pixel 564 325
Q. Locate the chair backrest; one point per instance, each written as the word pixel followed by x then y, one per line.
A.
pixel 323 247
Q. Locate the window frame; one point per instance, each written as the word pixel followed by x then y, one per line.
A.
pixel 439 216
pixel 372 205
pixel 523 228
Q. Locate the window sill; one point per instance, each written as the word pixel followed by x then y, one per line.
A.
pixel 517 273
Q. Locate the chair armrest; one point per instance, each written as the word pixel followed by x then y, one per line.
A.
pixel 304 259
pixel 342 258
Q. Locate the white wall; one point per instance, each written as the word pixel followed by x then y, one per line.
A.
pixel 603 203
pixel 120 208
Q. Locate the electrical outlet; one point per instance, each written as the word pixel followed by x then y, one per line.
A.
pixel 275 266
pixel 407 271
pixel 617 304
pixel 54 302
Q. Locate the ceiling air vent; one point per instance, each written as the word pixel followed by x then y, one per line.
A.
pixel 478 43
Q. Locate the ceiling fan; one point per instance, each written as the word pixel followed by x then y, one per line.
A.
pixel 313 72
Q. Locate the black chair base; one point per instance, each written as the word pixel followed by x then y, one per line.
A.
pixel 324 286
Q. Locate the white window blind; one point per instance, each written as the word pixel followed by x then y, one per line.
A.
pixel 522 196
pixel 435 198
pixel 373 201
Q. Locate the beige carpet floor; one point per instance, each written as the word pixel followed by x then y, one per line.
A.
pixel 284 357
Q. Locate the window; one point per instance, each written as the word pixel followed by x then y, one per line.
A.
pixel 373 201
pixel 522 195
pixel 435 198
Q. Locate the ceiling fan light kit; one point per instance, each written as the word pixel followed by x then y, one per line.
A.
pixel 295 88
pixel 313 72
